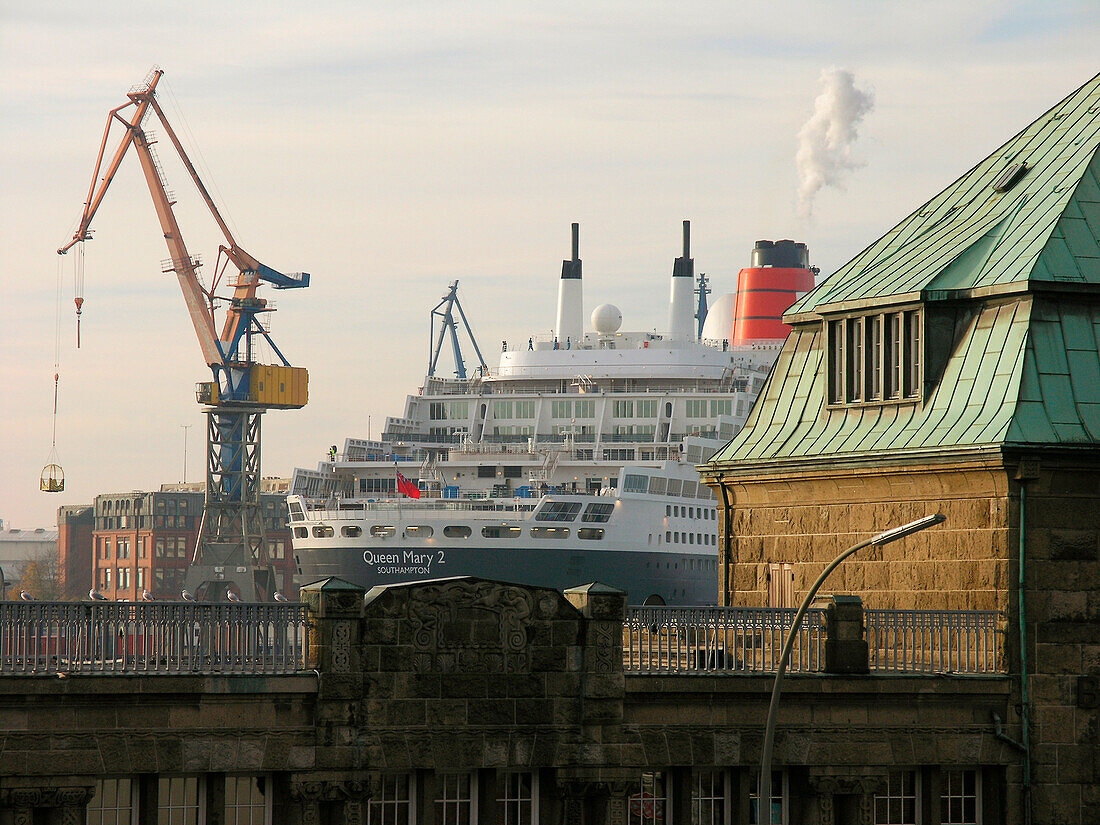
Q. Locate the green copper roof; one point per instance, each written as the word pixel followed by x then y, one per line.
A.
pixel 1043 228
pixel 1020 364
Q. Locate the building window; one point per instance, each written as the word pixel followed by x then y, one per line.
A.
pixel 179 800
pixel 780 794
pixel 875 358
pixel 455 799
pixel 393 803
pixel 959 804
pixel 141 578
pixel 247 801
pixel 518 801
pixel 708 798
pixel 114 803
pixel 648 804
pixel 899 803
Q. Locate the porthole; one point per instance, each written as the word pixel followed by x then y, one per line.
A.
pixel 383 531
pixel 351 531
pixel 323 531
pixel 419 531
pixel 457 531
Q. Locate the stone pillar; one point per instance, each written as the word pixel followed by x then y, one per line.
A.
pixel 603 683
pixel 335 630
pixel 845 645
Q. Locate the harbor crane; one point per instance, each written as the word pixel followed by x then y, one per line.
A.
pixel 232 547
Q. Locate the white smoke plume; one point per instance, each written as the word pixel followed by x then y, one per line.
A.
pixel 825 140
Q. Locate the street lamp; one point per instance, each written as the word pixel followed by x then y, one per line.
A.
pixel 764 795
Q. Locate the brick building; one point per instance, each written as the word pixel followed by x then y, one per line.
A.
pixel 145 540
pixel 954 367
pixel 75 524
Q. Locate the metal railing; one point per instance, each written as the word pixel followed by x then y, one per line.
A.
pixel 934 641
pixel 719 639
pixel 152 638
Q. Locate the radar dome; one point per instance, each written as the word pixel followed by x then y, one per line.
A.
pixel 606 319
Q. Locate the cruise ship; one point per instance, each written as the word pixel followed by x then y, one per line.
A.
pixel 571 461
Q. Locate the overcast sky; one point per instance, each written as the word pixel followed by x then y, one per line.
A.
pixel 389 148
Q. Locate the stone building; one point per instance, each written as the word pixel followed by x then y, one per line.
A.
pixel 462 701
pixel 953 367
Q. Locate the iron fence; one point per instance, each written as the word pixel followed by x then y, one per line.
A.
pixel 719 639
pixel 934 641
pixel 152 637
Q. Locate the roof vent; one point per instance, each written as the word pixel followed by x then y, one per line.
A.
pixel 1010 177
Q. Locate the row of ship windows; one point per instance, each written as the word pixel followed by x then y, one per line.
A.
pixel 707 539
pixel 623 408
pixel 676 510
pixel 451 531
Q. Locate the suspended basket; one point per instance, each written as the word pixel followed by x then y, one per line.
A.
pixel 53 479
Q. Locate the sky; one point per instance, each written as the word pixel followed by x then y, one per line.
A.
pixel 388 148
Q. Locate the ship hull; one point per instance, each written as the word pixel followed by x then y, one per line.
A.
pixel 680 578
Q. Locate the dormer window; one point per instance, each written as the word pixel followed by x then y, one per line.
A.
pixel 875 358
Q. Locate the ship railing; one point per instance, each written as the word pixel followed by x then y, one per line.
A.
pixel 719 639
pixel 934 641
pixel 152 638
pixel 352 510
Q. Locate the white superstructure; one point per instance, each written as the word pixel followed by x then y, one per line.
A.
pixel 575 453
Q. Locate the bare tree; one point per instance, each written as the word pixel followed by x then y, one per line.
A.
pixel 40 577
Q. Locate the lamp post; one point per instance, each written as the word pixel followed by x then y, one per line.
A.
pixel 764 795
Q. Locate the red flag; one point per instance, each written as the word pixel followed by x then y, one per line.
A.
pixel 406 487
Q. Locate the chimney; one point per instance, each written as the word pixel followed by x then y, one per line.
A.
pixel 570 325
pixel 680 312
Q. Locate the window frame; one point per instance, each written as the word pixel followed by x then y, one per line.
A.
pixel 268 807
pixel 888 368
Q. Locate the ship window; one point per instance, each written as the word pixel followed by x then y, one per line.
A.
pixel 668 535
pixel 593 534
pixel 598 513
pixel 550 532
pixel 351 531
pixel 457 531
pixel 296 513
pixel 657 484
pixel 419 531
pixel 299 533
pixel 322 531
pixel 668 509
pixel 558 511
pixel 503 531
pixel 383 531
pixel 635 483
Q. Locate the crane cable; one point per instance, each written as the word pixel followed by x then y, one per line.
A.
pixel 56 358
pixel 78 288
